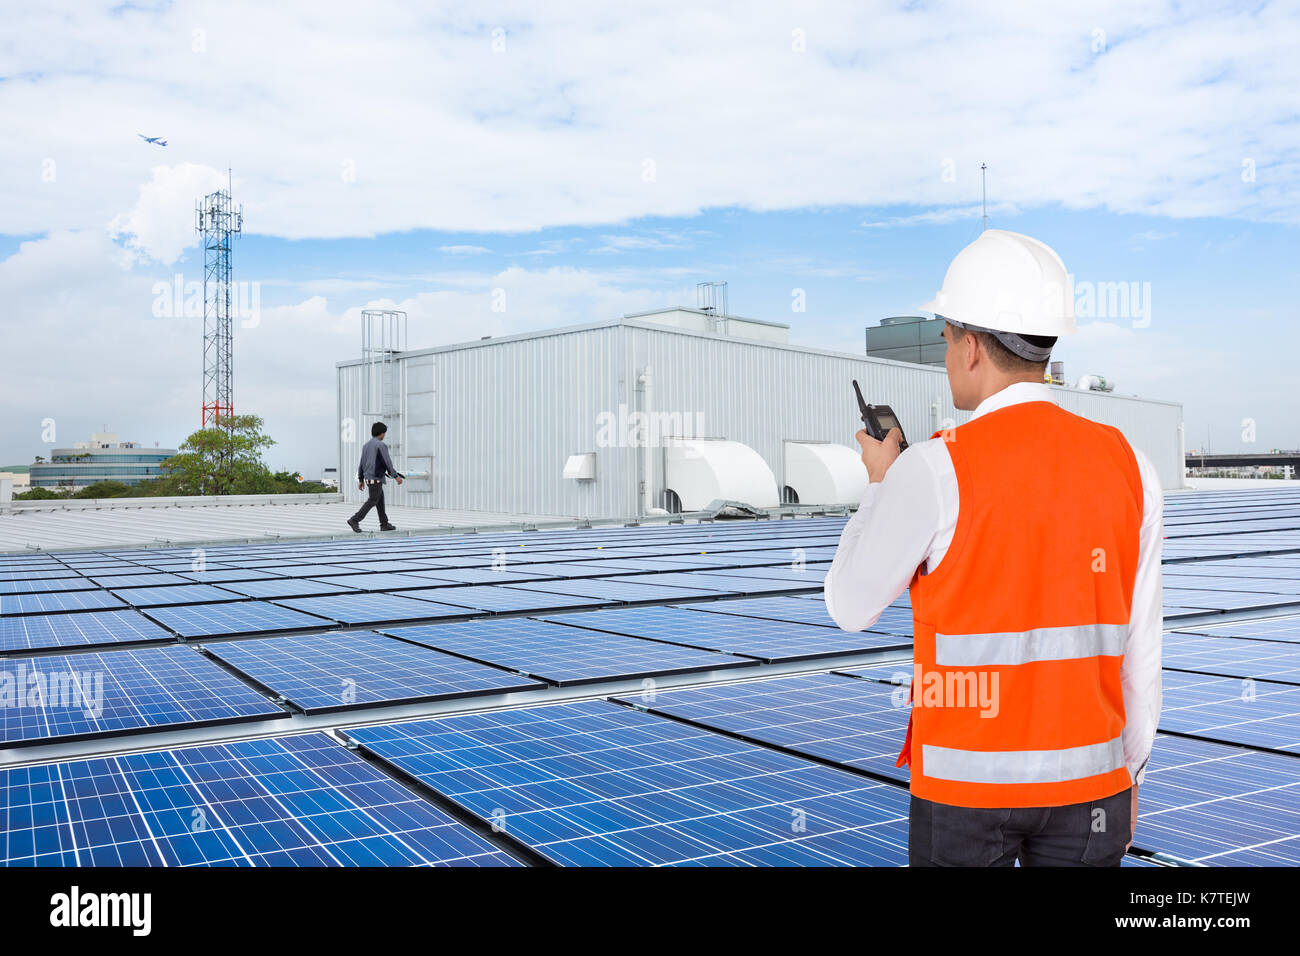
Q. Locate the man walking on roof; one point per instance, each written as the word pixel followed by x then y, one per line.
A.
pixel 1030 539
pixel 376 465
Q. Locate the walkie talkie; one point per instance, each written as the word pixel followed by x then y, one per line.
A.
pixel 878 419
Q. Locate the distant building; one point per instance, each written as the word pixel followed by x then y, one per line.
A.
pixel 21 480
pixel 907 338
pixel 103 458
pixel 659 412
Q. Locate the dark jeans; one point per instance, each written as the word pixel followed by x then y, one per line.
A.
pixel 1081 834
pixel 376 500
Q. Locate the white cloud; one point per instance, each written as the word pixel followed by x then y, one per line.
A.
pixel 340 123
pixel 160 226
pixel 464 250
pixel 91 353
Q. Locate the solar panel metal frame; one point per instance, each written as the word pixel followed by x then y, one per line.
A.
pixel 256 661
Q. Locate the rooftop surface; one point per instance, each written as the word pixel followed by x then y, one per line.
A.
pixel 153 522
pixel 648 696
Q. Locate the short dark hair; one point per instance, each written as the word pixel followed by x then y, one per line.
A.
pixel 1003 357
pixel 377 429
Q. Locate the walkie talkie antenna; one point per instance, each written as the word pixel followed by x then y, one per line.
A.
pixel 862 402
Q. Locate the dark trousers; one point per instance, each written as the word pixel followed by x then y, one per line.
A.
pixel 376 500
pixel 1081 834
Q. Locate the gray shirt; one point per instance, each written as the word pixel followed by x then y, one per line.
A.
pixel 376 463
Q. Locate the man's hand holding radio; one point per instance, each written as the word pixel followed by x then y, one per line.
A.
pixel 879 455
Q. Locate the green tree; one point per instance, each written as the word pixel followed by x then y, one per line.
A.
pixel 105 489
pixel 38 494
pixel 225 459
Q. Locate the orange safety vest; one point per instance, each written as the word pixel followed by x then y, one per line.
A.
pixel 1020 630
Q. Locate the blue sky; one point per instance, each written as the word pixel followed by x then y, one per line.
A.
pixel 592 160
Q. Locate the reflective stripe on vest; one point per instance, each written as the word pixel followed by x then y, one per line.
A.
pixel 1022 766
pixel 1009 648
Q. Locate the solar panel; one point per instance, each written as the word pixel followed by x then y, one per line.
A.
pixel 473 576
pixel 895 620
pixel 44 586
pixel 563 655
pixel 1224 600
pixel 750 637
pixel 1216 804
pixel 65 602
pixel 854 723
pixel 290 801
pixel 139 580
pixel 318 673
pixel 223 575
pixel 720 582
pixel 503 599
pixel 179 595
pixel 1251 712
pixel 373 608
pixel 619 590
pixel 123 691
pixel 283 587
pixel 1269 629
pixel 594 783
pixel 39 631
pixel 1232 657
pixel 373 582
pixel 238 617
pixel 812 573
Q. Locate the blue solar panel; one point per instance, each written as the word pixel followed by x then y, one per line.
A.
pixel 502 599
pixel 750 637
pixel 1221 805
pixel 563 655
pixel 1232 657
pixel 895 620
pixel 373 608
pixel 812 574
pixel 325 672
pixel 37 631
pixel 44 586
pixel 10 573
pixel 855 723
pixel 290 801
pixel 1224 600
pixel 139 580
pixel 1272 629
pixel 720 582
pixel 1251 712
pixel 223 575
pixel 68 601
pixel 180 595
pixel 239 617
pixel 594 783
pixel 373 582
pixel 283 588
pixel 443 576
pixel 614 590
pixel 93 694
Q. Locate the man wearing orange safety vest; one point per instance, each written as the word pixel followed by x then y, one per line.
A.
pixel 1030 539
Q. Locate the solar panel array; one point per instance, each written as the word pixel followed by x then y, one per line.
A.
pixel 288 801
pixel 744 766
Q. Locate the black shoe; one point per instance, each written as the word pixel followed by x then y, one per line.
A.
pixel 388 527
pixel 354 525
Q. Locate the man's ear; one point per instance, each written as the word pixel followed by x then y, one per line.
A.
pixel 974 350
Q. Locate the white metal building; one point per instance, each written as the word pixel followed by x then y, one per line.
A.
pixel 669 409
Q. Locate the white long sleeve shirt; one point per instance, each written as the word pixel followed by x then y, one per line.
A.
pixel 907 521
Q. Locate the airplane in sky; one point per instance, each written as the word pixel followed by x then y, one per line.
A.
pixel 152 139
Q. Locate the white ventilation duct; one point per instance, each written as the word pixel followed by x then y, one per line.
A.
pixel 824 473
pixel 704 470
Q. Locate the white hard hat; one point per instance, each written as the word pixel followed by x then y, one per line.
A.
pixel 1005 282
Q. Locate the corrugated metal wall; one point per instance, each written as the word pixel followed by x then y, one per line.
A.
pixel 499 418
